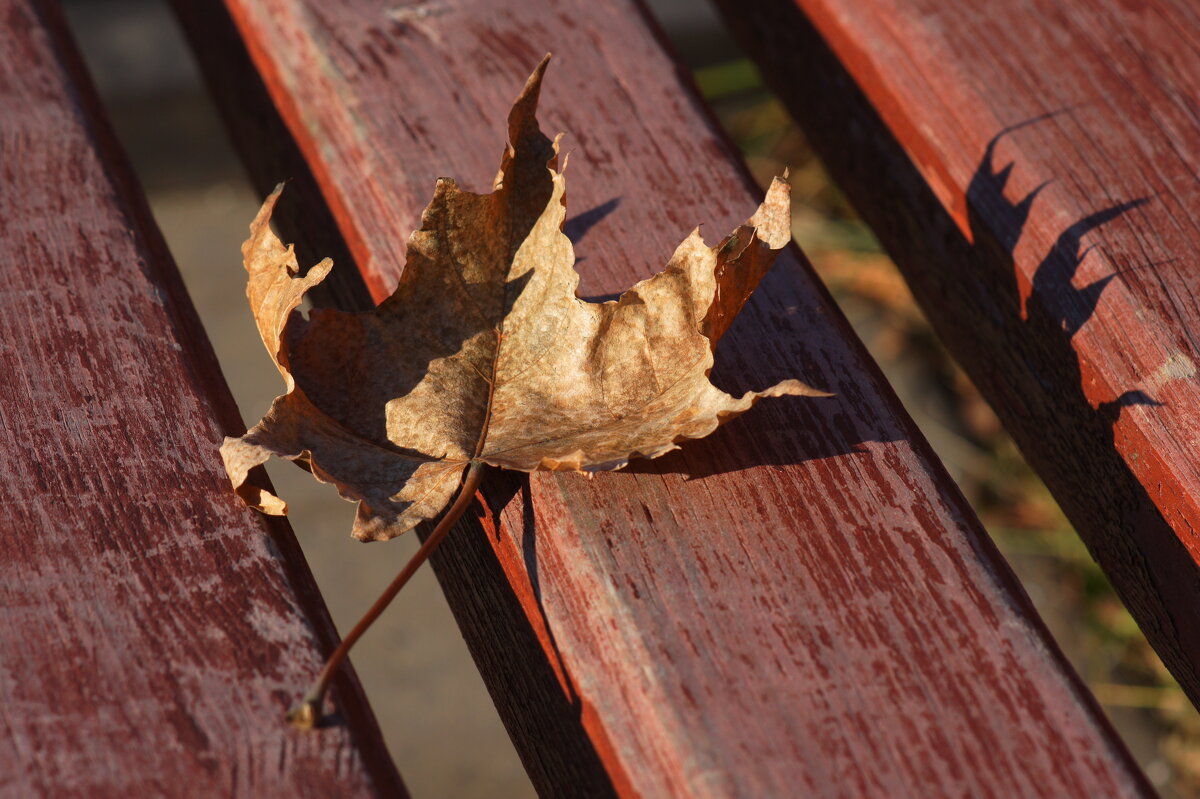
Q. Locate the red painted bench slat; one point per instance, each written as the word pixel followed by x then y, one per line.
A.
pixel 1072 306
pixel 816 610
pixel 154 632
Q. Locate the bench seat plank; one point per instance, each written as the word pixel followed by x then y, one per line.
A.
pixel 154 631
pixel 1034 172
pixel 816 610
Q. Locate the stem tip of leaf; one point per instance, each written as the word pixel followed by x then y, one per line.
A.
pixel 305 716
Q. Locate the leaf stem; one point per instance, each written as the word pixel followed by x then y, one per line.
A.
pixel 307 714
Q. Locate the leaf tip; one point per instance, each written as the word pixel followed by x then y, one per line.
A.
pixel 240 460
pixel 260 227
pixel 795 388
pixel 773 219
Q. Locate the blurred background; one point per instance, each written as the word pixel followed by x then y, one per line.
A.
pixel 434 711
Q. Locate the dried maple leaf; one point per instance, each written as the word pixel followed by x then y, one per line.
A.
pixel 485 355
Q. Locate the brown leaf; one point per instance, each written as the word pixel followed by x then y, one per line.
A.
pixel 485 353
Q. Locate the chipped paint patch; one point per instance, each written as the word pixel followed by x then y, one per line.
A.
pixel 1177 366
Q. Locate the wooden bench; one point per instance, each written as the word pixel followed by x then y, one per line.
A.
pixel 801 604
pixel 1037 200
pixel 153 631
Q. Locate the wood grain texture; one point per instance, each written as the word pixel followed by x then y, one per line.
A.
pixel 800 604
pixel 154 630
pixel 1034 172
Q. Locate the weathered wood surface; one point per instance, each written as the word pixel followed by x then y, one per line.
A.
pixel 153 632
pixel 816 610
pixel 1033 171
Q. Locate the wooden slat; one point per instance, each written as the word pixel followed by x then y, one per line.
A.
pixel 154 632
pixel 1073 307
pixel 816 611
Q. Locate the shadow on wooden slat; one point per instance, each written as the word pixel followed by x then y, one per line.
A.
pixel 576 227
pixel 544 721
pixel 1019 355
